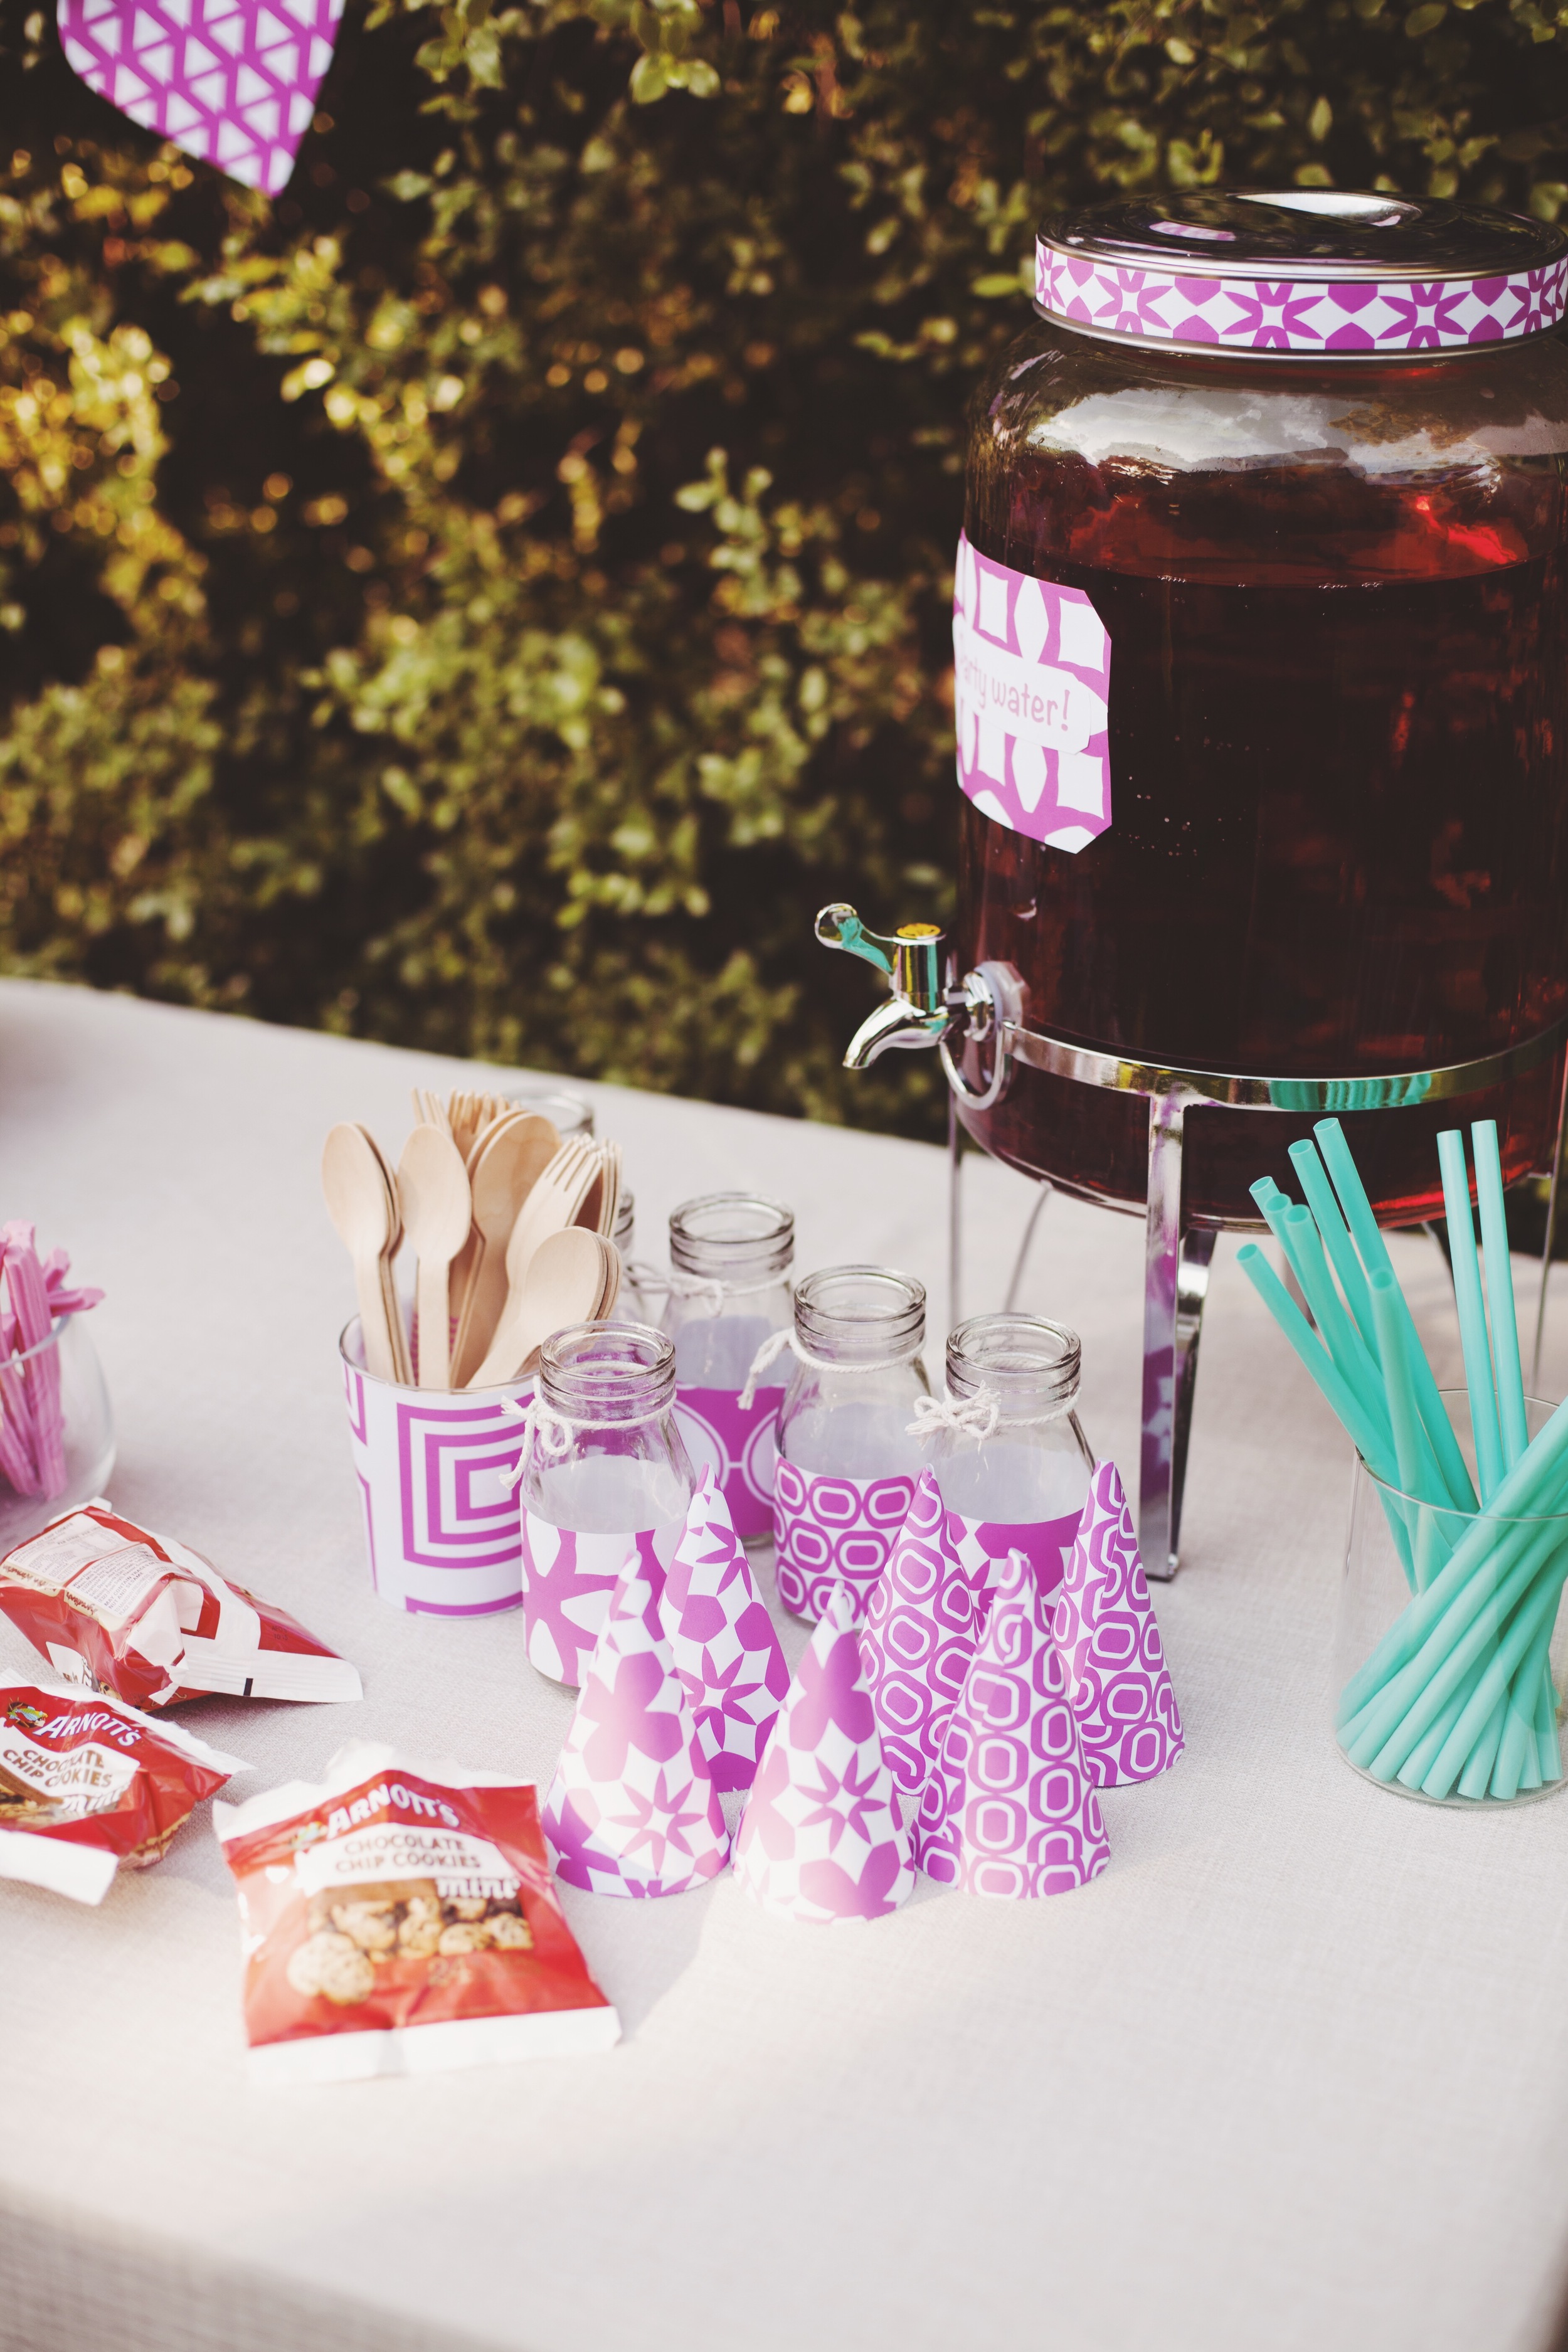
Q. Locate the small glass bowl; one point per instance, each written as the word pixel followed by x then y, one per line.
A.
pixel 38 1483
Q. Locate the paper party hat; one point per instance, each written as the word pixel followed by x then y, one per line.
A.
pixel 821 1839
pixel 722 1641
pixel 1011 1810
pixel 1110 1646
pixel 632 1809
pixel 918 1638
pixel 233 82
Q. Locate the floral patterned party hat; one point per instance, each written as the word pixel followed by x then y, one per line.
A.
pixel 822 1839
pixel 722 1641
pixel 632 1809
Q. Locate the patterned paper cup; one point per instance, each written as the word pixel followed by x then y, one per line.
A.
pixel 442 1528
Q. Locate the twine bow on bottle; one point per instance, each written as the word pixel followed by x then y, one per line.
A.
pixel 772 1347
pixel 975 1416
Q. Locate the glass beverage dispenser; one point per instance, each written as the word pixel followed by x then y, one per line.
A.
pixel 1262 690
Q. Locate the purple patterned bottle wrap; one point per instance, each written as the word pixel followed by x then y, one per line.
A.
pixel 828 1530
pixel 433 1467
pixel 1342 317
pixel 232 81
pixel 567 1582
pixel 983 1546
pixel 1031 679
pixel 737 1444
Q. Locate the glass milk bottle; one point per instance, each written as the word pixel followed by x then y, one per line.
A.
pixel 847 1462
pixel 604 1470
pixel 1011 1458
pixel 729 1257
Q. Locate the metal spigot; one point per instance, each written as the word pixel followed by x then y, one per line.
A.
pixel 917 1013
pixel 924 1008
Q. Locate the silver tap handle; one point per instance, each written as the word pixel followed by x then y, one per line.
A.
pixel 838 926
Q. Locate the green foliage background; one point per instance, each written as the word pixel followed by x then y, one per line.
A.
pixel 489 596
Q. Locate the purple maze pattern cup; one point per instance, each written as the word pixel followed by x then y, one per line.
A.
pixel 567 1580
pixel 632 1809
pixel 722 1641
pixel 736 1443
pixel 831 1530
pixel 434 1472
pixel 1109 1643
pixel 1012 1809
pixel 921 1625
pixel 231 81
pixel 822 1839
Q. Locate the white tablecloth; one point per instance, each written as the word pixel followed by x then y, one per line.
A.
pixel 1293 2073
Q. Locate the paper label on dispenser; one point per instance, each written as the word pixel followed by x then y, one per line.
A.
pixel 1031 678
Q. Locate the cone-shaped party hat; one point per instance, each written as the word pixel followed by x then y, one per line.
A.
pixel 722 1641
pixel 632 1809
pixel 917 1641
pixel 1012 1809
pixel 1110 1646
pixel 821 1839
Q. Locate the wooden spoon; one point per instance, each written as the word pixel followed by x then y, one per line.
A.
pixel 564 1284
pixel 437 1211
pixel 360 1206
pixel 504 1173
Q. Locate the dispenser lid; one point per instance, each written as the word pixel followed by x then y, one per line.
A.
pixel 1344 275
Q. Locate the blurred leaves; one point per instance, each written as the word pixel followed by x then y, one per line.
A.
pixel 493 594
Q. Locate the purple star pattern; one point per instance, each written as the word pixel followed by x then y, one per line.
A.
pixel 722 1641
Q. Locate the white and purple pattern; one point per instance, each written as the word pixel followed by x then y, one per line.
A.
pixel 1344 316
pixel 737 1441
pixel 1109 1643
pixel 822 1839
pixel 722 1641
pixel 1031 678
pixel 1012 1811
pixel 231 81
pixel 828 1530
pixel 434 1471
pixel 567 1579
pixel 982 1545
pixel 917 1640
pixel 632 1809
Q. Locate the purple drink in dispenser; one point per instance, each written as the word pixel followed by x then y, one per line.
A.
pixel 1262 723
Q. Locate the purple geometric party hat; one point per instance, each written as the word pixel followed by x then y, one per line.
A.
pixel 1011 1810
pixel 632 1809
pixel 233 82
pixel 722 1641
pixel 822 1839
pixel 1127 1715
pixel 917 1640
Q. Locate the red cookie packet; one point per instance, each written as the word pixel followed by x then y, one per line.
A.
pixel 120 1610
pixel 399 1918
pixel 88 1784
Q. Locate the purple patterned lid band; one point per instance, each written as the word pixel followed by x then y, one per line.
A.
pixel 1340 318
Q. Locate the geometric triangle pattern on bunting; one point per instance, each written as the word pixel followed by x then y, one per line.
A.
pixel 1109 1643
pixel 231 81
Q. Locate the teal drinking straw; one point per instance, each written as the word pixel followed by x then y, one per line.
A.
pixel 1320 1198
pixel 1500 1288
pixel 1472 1313
pixel 1374 1254
pixel 1418 1471
pixel 1340 1397
pixel 1297 1236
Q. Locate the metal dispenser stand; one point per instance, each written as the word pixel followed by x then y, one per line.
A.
pixel 984 1008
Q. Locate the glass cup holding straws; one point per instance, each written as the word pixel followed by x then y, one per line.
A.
pixel 1448 1661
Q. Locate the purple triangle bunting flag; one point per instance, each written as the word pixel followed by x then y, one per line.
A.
pixel 821 1840
pixel 722 1641
pixel 1109 1641
pixel 1012 1811
pixel 231 81
pixel 632 1809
